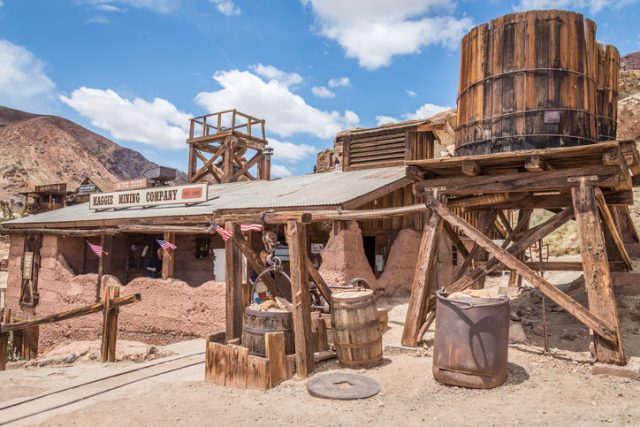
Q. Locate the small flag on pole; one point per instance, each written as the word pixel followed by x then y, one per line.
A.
pixel 166 245
pixel 97 249
pixel 226 235
pixel 250 227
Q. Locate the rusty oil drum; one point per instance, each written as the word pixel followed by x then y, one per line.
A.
pixel 471 341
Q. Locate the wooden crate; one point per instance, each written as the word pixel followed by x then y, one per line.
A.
pixel 229 364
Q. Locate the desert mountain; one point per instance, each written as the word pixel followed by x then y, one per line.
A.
pixel 37 149
pixel 629 103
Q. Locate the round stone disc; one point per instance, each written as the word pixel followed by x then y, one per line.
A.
pixel 342 386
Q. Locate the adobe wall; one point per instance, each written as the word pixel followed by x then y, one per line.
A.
pixel 170 310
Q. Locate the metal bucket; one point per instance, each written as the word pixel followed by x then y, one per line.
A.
pixel 471 341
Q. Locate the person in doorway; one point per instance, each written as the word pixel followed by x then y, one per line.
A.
pixel 153 266
pixel 260 291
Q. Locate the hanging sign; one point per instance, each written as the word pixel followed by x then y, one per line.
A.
pixel 28 265
pixel 155 196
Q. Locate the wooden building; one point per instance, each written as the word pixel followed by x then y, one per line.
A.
pixel 46 197
pixel 87 187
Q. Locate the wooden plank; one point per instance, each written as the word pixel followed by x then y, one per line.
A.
pixel 219 363
pixel 471 168
pixel 602 302
pixel 613 229
pixel 297 240
pixel 242 367
pixel 606 176
pixel 112 326
pixel 455 239
pixel 599 326
pixel 255 263
pixel 291 365
pixel 274 346
pixel 257 373
pixel 234 309
pixel 104 347
pixel 318 280
pixel 168 256
pixel 422 280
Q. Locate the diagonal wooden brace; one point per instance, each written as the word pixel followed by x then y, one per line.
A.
pixel 603 329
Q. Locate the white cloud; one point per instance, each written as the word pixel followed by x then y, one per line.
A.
pixel 159 6
pixel 158 123
pixel 1 3
pixel 374 31
pixel 290 152
pixel 423 112
pixel 280 171
pixel 411 93
pixel 270 72
pixel 594 6
pixel 98 19
pixel 227 7
pixel 322 92
pixel 285 112
pixel 23 81
pixel 340 82
pixel 383 120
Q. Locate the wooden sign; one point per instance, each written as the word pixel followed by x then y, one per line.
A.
pixel 155 196
pixel 132 184
pixel 27 265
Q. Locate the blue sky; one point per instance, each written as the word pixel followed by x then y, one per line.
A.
pixel 136 70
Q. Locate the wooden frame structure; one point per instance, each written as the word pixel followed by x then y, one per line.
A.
pixel 228 138
pixel 592 184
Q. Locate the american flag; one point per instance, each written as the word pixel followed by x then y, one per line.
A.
pixel 166 245
pixel 97 249
pixel 250 227
pixel 226 235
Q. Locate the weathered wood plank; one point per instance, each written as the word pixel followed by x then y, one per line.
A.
pixel 597 276
pixel 234 309
pixel 608 220
pixel 274 345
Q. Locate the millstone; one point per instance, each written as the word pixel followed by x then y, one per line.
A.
pixel 340 386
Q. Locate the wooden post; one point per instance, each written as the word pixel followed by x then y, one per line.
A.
pixel 104 347
pixel 4 340
pixel 112 326
pixel 168 256
pixel 597 276
pixel 297 240
pixel 422 280
pixel 233 279
pixel 100 269
pixel 524 216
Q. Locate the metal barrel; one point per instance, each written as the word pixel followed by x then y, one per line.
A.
pixel 471 341
pixel 528 81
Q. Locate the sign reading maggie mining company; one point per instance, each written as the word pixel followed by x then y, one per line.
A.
pixel 154 196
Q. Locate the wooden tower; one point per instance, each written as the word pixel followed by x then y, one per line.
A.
pixel 227 145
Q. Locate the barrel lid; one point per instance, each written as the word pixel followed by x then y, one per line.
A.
pixel 351 294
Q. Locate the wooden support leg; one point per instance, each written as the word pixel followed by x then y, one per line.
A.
pixel 318 280
pixel 597 276
pixel 297 240
pixel 100 269
pixel 168 257
pixel 487 222
pixel 4 350
pixel 104 347
pixel 422 280
pixel 233 281
pixel 256 264
pixel 603 328
pixel 524 216
pixel 112 326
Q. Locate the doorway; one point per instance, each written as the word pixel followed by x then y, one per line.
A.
pixel 369 243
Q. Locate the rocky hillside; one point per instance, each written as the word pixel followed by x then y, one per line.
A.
pixel 36 149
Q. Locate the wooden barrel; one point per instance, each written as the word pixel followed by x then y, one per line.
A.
pixel 257 323
pixel 608 67
pixel 527 81
pixel 356 328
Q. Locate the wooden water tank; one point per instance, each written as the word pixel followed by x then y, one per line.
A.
pixel 527 81
pixel 356 328
pixel 608 67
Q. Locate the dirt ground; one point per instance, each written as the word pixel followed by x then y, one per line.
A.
pixel 541 389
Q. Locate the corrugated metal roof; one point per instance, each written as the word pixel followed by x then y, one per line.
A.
pixel 323 189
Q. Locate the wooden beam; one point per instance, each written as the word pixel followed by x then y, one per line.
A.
pixel 597 275
pixel 58 232
pixel 632 157
pixel 234 309
pixel 76 312
pixel 297 241
pixel 269 217
pixel 256 264
pixel 423 279
pixel 168 256
pixel 484 200
pixel 602 328
pixel 471 168
pixel 613 229
pixel 103 254
pixel 319 281
pixel 604 176
pixel 536 164
pixel 455 239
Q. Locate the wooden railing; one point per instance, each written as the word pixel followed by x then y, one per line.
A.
pixel 226 121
